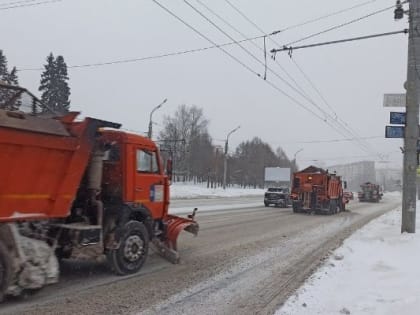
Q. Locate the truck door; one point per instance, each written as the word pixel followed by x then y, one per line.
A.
pixel 149 183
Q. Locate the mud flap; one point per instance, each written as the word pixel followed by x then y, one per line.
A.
pixel 174 225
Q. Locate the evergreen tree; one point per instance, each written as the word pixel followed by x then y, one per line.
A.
pixel 63 86
pixel 3 77
pixel 3 66
pixel 12 79
pixel 9 78
pixel 48 82
pixel 54 86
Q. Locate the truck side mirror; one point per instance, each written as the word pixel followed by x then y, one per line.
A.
pixel 169 169
pixel 345 185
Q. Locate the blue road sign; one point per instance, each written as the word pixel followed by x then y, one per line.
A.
pixel 394 131
pixel 397 118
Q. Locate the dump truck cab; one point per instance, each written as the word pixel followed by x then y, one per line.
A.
pixel 134 173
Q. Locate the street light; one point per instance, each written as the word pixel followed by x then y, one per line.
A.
pixel 296 153
pixel 294 156
pixel 294 164
pixel 149 133
pixel 226 153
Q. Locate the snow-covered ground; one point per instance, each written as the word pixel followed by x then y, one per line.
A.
pixel 375 271
pixel 188 191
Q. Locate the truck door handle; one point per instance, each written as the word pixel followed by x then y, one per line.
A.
pixel 139 189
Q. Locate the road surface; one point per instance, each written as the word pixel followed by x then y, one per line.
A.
pixel 244 261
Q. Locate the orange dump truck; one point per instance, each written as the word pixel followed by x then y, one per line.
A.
pixel 81 190
pixel 316 190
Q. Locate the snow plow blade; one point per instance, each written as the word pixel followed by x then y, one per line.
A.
pixel 175 224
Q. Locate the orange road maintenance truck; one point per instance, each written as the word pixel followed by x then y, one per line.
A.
pixel 369 192
pixel 80 190
pixel 315 190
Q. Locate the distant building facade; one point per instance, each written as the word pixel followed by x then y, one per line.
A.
pixel 356 173
pixel 389 178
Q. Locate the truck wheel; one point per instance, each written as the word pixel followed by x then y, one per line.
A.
pixel 5 270
pixel 133 250
pixel 266 204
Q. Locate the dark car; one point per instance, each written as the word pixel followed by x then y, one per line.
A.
pixel 277 196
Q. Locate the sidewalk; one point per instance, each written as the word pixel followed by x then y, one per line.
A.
pixel 375 271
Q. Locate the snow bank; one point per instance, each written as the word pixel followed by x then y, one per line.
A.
pixel 376 271
pixel 188 191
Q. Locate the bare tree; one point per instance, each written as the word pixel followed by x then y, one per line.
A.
pixel 193 149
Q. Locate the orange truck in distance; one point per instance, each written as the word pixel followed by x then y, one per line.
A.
pixel 81 190
pixel 316 190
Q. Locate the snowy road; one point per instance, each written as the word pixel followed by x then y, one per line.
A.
pixel 244 261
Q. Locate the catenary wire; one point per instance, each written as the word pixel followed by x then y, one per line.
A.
pixel 236 59
pixel 341 25
pixel 152 57
pixel 339 130
pixel 342 123
pixel 130 60
pixel 28 4
pixel 252 43
pixel 317 19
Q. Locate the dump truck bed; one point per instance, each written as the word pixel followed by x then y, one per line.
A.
pixel 42 161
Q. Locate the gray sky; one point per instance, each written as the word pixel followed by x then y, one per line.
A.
pixel 352 76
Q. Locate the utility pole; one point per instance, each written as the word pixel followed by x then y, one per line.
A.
pixel 226 155
pixel 149 132
pixel 411 137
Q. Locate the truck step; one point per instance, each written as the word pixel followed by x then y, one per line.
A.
pixel 78 226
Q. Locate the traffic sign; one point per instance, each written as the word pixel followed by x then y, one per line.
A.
pixel 394 131
pixel 394 100
pixel 397 118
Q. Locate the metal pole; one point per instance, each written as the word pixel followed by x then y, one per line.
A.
pixel 149 132
pixel 294 164
pixel 226 156
pixel 294 156
pixel 412 86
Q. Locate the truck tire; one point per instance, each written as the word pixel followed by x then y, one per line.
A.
pixel 5 270
pixel 266 204
pixel 343 206
pixel 133 249
pixel 333 207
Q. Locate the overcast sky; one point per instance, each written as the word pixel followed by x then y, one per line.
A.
pixel 352 77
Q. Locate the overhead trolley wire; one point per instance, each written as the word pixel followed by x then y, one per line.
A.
pixel 341 123
pixel 236 59
pixel 254 44
pixel 305 22
pixel 324 119
pixel 16 5
pixel 182 52
pixel 340 25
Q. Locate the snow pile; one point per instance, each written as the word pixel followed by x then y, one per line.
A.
pixel 188 191
pixel 376 271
